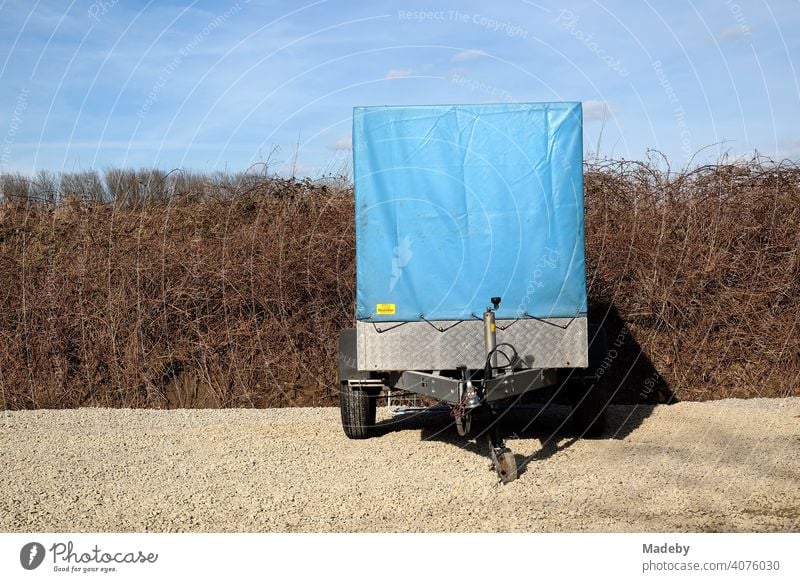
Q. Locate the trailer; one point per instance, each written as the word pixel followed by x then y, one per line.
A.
pixel 470 271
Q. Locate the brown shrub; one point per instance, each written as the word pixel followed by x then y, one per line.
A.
pixel 703 268
pixel 230 300
pixel 150 289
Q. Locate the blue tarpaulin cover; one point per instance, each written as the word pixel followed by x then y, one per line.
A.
pixel 456 204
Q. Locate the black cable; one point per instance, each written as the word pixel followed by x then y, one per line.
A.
pixel 487 370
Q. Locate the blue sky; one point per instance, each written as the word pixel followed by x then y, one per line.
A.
pixel 223 85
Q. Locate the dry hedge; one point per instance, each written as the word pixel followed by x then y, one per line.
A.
pixel 147 289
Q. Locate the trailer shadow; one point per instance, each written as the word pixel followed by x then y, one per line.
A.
pixel 624 365
pixel 550 425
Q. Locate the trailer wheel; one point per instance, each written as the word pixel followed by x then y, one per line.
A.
pixel 589 408
pixel 358 411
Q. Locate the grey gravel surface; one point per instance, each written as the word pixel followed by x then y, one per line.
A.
pixel 716 466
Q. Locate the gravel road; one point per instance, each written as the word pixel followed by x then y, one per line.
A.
pixel 729 465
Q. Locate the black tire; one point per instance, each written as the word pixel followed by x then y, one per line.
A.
pixel 358 411
pixel 589 408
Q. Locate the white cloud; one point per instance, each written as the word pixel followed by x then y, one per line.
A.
pixel 344 143
pixel 398 73
pixel 790 148
pixel 298 170
pixel 468 55
pixel 596 110
pixel 736 32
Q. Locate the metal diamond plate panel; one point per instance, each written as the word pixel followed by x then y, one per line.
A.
pixel 553 343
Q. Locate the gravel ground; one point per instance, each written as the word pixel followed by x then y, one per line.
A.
pixel 716 466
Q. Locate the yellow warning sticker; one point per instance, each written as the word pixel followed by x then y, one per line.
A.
pixel 493 328
pixel 385 309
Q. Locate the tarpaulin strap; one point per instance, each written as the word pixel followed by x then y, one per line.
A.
pixel 379 330
pixel 527 315
pixel 505 327
pixel 437 328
